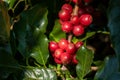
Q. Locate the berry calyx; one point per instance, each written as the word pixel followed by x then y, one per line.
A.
pixel 67 27
pixel 86 19
pixel 78 30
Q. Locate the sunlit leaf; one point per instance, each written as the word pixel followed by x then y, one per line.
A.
pixel 57 33
pixel 85 59
pixel 39 74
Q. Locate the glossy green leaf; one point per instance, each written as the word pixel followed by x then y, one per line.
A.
pixel 8 64
pixel 39 74
pixel 114 25
pixel 37 16
pixel 40 51
pixel 106 70
pixel 57 33
pixel 4 23
pixel 85 59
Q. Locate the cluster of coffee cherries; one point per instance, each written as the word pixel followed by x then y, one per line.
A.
pixel 64 52
pixel 72 21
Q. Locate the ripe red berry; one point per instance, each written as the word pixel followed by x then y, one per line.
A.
pixel 78 30
pixel 67 7
pixel 58 53
pixel 63 43
pixel 88 1
pixel 74 60
pixel 58 61
pixel 86 19
pixel 74 20
pixel 71 49
pixel 66 58
pixel 67 27
pixel 64 15
pixel 79 44
pixel 81 11
pixel 53 46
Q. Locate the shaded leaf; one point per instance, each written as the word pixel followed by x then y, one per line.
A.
pixel 114 25
pixel 106 70
pixel 39 74
pixel 85 59
pixel 57 33
pixel 114 76
pixel 8 64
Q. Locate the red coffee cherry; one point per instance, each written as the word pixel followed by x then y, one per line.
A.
pixel 65 58
pixel 67 7
pixel 71 49
pixel 78 44
pixel 89 9
pixel 74 60
pixel 74 20
pixel 53 46
pixel 58 61
pixel 64 15
pixel 88 1
pixel 67 27
pixel 86 19
pixel 78 30
pixel 63 44
pixel 58 53
pixel 81 11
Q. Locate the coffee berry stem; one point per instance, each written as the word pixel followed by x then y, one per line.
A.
pixel 70 37
pixel 75 11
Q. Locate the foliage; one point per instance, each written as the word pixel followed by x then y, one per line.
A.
pixel 27 27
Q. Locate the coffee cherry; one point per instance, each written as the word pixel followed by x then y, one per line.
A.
pixel 89 9
pixel 86 19
pixel 64 15
pixel 74 20
pixel 58 53
pixel 78 30
pixel 65 58
pixel 67 7
pixel 88 1
pixel 74 60
pixel 71 49
pixel 63 44
pixel 67 27
pixel 58 61
pixel 53 46
pixel 78 44
pixel 81 11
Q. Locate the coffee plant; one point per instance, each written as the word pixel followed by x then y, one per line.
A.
pixel 59 39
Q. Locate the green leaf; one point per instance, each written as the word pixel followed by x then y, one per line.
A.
pixel 106 70
pixel 37 16
pixel 85 37
pixel 114 25
pixel 40 51
pixel 8 64
pixel 39 74
pixel 57 33
pixel 85 59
